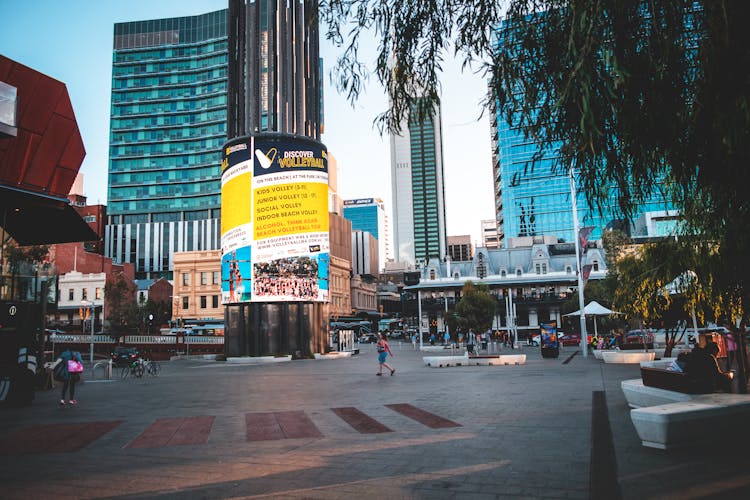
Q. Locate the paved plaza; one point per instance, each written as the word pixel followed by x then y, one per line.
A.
pixel 552 428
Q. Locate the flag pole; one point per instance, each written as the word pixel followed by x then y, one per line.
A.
pixel 576 230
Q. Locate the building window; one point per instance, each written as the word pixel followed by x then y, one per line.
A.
pixel 538 269
pixel 432 274
pixel 141 297
pixel 204 278
pixel 568 270
pixel 503 273
pixel 185 302
pixel 214 301
pixel 185 279
pixel 71 294
pixel 98 293
pixel 596 266
pixel 518 272
pixel 216 277
pixel 84 294
pixel 544 268
pixel 203 302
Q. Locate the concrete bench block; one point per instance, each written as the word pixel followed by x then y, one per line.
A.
pixel 704 419
pixel 627 357
pixel 500 359
pixel 639 395
pixel 444 361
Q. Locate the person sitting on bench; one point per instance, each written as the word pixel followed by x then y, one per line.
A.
pixel 704 372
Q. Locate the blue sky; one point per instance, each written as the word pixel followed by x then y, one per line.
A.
pixel 72 42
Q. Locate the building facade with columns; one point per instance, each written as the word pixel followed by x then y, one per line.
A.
pixel 538 276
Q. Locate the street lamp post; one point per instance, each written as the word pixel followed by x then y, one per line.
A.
pixel 579 250
pixel 86 305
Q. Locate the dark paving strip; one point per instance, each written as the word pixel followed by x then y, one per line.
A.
pixel 54 438
pixel 262 427
pixel 361 422
pixel 603 470
pixel 569 358
pixel 423 417
pixel 174 432
pixel 296 424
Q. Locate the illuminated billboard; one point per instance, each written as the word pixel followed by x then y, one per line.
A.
pixel 274 220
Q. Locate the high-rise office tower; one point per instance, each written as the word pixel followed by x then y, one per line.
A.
pixel 168 123
pixel 418 190
pixel 275 78
pixel 368 214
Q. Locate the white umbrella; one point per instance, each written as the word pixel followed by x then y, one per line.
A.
pixel 594 309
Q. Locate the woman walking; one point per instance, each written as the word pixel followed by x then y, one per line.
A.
pixel 383 352
pixel 70 367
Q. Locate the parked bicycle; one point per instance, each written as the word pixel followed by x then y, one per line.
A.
pixel 140 366
pixel 134 368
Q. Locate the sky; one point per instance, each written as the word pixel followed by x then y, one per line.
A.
pixel 72 42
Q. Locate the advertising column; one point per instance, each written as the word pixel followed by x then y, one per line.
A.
pixel 274 220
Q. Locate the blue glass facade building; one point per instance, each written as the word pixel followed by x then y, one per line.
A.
pixel 167 126
pixel 533 198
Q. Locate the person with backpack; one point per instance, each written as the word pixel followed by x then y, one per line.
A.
pixel 68 371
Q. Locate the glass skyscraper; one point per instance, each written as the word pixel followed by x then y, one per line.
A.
pixel 168 123
pixel 418 190
pixel 534 199
pixel 368 214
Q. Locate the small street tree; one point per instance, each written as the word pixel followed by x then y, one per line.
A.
pixel 122 309
pixel 476 307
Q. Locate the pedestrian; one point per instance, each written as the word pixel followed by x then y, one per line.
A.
pixel 471 342
pixel 414 340
pixel 447 337
pixel 731 350
pixel 67 370
pixel 383 351
pixel 432 339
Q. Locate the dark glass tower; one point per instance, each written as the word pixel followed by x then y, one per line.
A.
pixel 168 123
pixel 275 82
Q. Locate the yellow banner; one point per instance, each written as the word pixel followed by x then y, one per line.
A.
pixel 235 202
pixel 285 209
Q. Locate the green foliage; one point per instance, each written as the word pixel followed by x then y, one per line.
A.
pixel 635 95
pixel 476 307
pixel 123 312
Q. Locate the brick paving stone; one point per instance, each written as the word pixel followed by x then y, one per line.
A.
pixel 526 432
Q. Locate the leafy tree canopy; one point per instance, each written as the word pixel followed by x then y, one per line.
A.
pixel 635 94
pixel 476 307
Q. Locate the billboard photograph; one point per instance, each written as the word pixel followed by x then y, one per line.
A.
pixel 274 213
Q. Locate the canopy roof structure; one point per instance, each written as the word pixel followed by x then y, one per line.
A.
pixel 40 161
pixel 593 309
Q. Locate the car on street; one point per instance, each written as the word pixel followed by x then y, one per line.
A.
pixel 573 339
pixel 639 337
pixel 123 356
pixel 368 338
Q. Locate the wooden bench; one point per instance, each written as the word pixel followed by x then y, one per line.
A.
pixel 667 379
pixel 704 419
